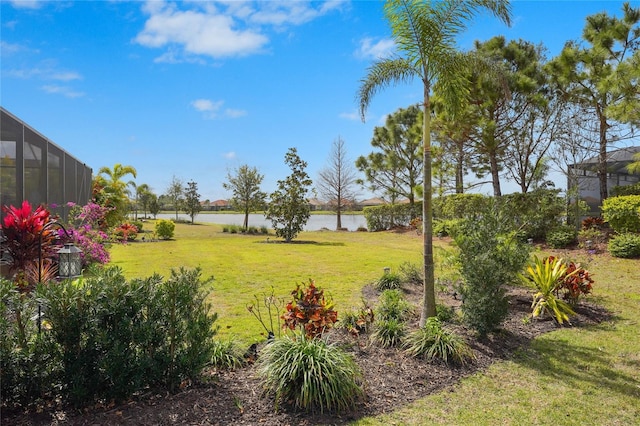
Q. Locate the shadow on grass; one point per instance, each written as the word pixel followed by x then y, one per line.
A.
pixel 573 364
pixel 302 242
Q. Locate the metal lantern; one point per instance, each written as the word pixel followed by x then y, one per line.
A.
pixel 69 261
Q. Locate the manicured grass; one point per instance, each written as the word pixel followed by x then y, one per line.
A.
pixel 574 376
pixel 247 265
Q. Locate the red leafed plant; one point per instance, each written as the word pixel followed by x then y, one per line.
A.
pixel 126 232
pixel 575 282
pixel 22 228
pixel 309 310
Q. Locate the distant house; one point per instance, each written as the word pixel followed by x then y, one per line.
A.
pixel 316 205
pixel 220 205
pixel 586 176
pixel 371 202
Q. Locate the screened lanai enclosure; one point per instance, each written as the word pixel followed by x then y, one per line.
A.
pixel 34 168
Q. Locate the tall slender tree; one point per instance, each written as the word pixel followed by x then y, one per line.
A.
pixel 336 180
pixel 600 75
pixel 289 207
pixel 247 197
pixel 396 167
pixel 191 203
pixel 425 34
pixel 175 193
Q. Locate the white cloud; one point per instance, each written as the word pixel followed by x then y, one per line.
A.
pixel 205 105
pixel 353 116
pixel 26 4
pixel 213 109
pixel 222 29
pixel 235 113
pixel 9 48
pixel 229 155
pixel 62 90
pixel 372 49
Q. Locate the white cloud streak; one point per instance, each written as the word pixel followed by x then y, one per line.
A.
pixel 375 49
pixel 221 29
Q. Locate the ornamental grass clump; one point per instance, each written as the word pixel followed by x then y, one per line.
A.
pixel 310 374
pixel 433 341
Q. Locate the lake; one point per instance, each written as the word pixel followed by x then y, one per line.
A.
pixel 316 221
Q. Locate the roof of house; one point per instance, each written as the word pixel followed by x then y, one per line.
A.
pixel 617 160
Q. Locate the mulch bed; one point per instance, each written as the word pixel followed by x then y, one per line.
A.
pixel 392 380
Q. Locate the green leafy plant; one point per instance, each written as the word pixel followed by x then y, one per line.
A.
pixel 165 228
pixel 388 332
pixel 310 374
pixel 388 281
pixel 393 305
pixel 547 276
pixel 309 310
pixel 562 237
pixel 359 320
pixel 224 354
pixel 622 213
pixel 490 258
pixel 433 341
pixel 625 245
pixel 410 273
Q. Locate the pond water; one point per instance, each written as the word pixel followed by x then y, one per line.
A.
pixel 316 221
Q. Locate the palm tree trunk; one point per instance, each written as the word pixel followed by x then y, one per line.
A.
pixel 429 297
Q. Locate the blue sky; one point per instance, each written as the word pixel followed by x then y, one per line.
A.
pixel 195 89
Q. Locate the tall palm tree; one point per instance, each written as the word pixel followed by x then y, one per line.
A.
pixel 115 190
pixel 425 35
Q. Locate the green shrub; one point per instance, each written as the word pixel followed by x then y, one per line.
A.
pixel 535 212
pixel 389 216
pixel 444 228
pixel 625 245
pixel 562 237
pixel 104 337
pixel 388 281
pixel 435 342
pixel 224 354
pixel 626 190
pixel 264 230
pixel 587 238
pixel 138 224
pixel 388 332
pixel 458 206
pixel 165 228
pixel 622 213
pixel 310 374
pixel 490 257
pixel 393 305
pixel 445 313
pixel 410 273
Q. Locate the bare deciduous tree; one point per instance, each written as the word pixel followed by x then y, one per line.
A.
pixel 337 179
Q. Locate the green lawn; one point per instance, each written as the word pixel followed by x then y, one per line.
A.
pixel 244 266
pixel 574 376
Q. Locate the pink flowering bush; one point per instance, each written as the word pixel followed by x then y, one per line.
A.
pixel 87 226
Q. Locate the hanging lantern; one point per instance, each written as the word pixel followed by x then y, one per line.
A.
pixel 69 262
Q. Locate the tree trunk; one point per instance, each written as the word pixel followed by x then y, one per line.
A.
pixel 602 158
pixel 495 175
pixel 429 296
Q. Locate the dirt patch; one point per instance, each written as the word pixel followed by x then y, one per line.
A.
pixel 392 380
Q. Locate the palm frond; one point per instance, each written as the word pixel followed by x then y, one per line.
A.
pixel 382 74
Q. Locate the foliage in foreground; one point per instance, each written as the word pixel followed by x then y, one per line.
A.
pixel 433 341
pixel 103 337
pixel 311 374
pixel 490 258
